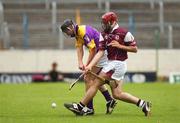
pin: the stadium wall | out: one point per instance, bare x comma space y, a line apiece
20, 61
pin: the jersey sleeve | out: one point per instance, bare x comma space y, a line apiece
79, 42
90, 42
129, 39
102, 43
79, 39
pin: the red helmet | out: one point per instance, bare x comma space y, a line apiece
108, 20
109, 17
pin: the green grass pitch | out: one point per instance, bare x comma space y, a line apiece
31, 103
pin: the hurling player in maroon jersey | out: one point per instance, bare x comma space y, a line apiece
89, 37
117, 41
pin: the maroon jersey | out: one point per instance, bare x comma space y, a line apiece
123, 37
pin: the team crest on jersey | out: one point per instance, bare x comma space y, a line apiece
86, 38
116, 37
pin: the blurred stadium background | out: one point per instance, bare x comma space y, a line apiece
30, 39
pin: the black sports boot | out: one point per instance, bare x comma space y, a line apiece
87, 111
110, 106
147, 108
73, 107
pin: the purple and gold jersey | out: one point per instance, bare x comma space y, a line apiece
88, 36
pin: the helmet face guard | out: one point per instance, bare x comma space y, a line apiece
108, 20
107, 27
69, 33
68, 28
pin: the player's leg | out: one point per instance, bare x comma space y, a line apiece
88, 82
102, 88
91, 92
118, 93
77, 108
111, 103
89, 79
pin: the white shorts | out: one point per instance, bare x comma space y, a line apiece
119, 68
103, 61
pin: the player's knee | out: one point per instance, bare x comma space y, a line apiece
96, 84
102, 88
117, 95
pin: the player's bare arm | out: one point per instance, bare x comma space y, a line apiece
116, 44
80, 53
92, 53
95, 60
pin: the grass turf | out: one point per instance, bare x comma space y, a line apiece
31, 103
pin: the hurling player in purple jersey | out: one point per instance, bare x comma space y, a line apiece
117, 41
89, 37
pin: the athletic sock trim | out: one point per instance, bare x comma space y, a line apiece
140, 103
